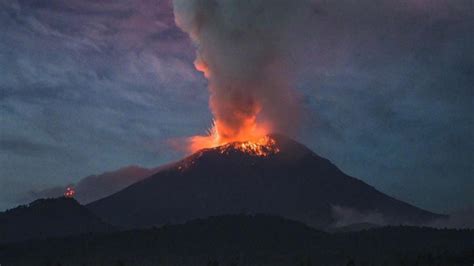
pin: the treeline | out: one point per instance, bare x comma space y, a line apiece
241, 240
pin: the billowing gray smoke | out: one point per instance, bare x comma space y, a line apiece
244, 48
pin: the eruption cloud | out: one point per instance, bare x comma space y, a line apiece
243, 49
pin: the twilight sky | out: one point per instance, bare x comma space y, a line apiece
94, 85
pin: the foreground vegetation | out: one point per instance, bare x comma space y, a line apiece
249, 240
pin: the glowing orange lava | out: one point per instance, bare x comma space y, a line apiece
262, 147
219, 135
69, 193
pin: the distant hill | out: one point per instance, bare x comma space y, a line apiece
294, 183
47, 218
249, 240
94, 187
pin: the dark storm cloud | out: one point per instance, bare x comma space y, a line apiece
79, 77
386, 85
94, 187
390, 88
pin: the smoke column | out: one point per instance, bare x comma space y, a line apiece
244, 50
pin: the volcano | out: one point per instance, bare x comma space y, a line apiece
282, 178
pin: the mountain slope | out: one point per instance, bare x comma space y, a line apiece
46, 218
294, 183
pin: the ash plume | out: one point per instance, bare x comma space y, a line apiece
245, 50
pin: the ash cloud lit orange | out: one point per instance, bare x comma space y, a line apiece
219, 135
236, 117
242, 51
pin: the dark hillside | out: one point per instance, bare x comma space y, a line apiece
249, 240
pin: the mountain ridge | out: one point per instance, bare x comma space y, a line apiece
45, 218
294, 183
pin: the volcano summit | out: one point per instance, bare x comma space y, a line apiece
279, 177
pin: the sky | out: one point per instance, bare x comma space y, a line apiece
386, 90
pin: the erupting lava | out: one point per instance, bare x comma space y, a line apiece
262, 147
